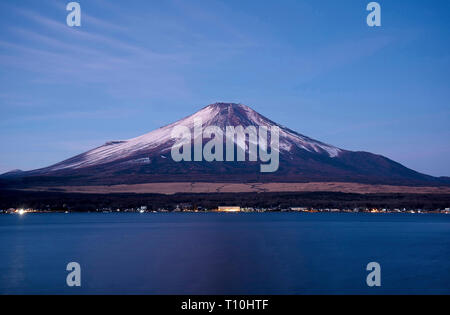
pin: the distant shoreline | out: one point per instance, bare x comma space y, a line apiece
272, 201
317, 211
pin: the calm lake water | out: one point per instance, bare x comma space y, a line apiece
270, 253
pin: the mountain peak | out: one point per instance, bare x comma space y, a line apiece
226, 114
226, 105
230, 107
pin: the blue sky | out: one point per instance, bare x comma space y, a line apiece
314, 66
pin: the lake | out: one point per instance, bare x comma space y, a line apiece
212, 253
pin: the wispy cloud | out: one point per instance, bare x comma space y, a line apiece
125, 65
71, 115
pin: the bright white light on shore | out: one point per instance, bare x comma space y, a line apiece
229, 209
21, 212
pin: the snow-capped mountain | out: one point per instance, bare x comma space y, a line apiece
147, 158
159, 142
